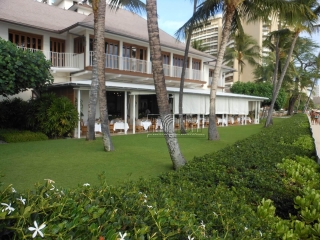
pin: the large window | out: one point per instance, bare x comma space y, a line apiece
165, 58
79, 45
25, 40
57, 50
178, 61
196, 64
133, 51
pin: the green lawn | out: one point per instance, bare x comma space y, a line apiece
70, 162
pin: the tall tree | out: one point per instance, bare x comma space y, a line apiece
98, 67
183, 72
245, 48
233, 11
315, 68
301, 21
160, 87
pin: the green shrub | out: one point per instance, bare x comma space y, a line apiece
13, 113
52, 115
13, 136
244, 191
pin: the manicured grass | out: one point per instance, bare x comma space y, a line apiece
70, 162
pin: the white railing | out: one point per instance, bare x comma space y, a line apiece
196, 74
166, 70
177, 72
62, 60
124, 63
142, 66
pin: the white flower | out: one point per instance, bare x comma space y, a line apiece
122, 236
202, 225
53, 187
145, 201
37, 229
86, 184
145, 196
8, 207
13, 190
189, 238
149, 206
47, 195
245, 228
50, 181
140, 192
260, 233
215, 214
22, 200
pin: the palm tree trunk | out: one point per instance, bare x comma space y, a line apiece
279, 83
160, 87
239, 70
101, 59
186, 52
213, 133
93, 94
309, 97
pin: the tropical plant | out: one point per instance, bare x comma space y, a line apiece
185, 60
22, 69
316, 75
233, 12
198, 44
303, 21
160, 87
244, 49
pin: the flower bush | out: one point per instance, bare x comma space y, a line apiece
246, 191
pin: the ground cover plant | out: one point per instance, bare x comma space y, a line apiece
75, 161
263, 187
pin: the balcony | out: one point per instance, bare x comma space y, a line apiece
62, 62
142, 66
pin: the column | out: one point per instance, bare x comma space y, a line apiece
125, 112
79, 112
134, 115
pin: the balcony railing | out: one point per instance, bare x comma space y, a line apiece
126, 64
142, 66
62, 60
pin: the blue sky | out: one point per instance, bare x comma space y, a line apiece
174, 13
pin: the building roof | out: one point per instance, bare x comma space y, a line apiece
38, 15
31, 13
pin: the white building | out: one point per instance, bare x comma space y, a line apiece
63, 31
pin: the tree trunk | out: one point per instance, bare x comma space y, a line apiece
160, 86
101, 59
186, 52
309, 97
279, 82
213, 133
292, 101
93, 94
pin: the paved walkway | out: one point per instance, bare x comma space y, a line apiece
315, 129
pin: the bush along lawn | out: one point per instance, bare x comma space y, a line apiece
263, 187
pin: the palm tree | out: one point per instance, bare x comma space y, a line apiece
315, 67
233, 11
303, 21
160, 86
245, 48
198, 44
98, 68
183, 72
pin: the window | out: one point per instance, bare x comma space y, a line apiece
133, 51
79, 44
25, 40
196, 64
57, 50
178, 61
165, 58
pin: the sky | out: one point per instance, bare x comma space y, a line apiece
174, 13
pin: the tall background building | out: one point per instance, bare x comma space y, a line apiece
211, 32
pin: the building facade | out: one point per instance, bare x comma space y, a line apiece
64, 32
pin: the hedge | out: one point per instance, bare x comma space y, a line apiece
244, 191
